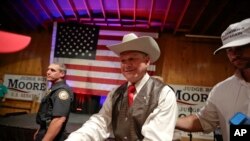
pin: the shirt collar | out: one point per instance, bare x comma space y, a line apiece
140, 83
241, 79
57, 85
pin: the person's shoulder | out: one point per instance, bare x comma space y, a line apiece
66, 87
225, 86
63, 94
227, 81
167, 89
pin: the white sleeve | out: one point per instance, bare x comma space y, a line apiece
208, 114
160, 124
98, 127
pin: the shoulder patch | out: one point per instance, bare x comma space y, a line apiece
63, 95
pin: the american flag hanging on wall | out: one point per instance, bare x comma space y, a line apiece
76, 41
91, 67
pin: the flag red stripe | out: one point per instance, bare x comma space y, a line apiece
90, 91
102, 47
107, 58
94, 80
98, 69
110, 37
93, 68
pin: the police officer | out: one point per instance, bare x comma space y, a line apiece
54, 110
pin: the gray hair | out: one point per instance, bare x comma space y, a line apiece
62, 67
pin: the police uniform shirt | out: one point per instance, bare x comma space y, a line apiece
61, 100
56, 103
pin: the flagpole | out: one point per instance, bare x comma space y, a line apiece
53, 42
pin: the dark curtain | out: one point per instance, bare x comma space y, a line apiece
86, 104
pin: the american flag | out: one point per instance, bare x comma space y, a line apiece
91, 67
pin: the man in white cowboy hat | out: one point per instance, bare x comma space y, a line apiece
231, 95
149, 114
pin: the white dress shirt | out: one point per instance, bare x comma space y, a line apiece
159, 126
226, 98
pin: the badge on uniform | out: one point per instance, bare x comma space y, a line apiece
48, 92
63, 95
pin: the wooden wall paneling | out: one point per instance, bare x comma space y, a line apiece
11, 106
191, 61
33, 60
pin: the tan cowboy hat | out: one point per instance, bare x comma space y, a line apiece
145, 44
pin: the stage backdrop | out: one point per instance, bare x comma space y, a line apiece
25, 87
190, 99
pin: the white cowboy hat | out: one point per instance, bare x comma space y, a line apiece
131, 42
236, 35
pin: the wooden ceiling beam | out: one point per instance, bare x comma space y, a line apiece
9, 22
29, 6
119, 11
74, 9
150, 12
134, 16
103, 11
22, 14
182, 15
45, 9
86, 4
59, 9
166, 15
215, 14
197, 18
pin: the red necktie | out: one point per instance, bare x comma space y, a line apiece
131, 91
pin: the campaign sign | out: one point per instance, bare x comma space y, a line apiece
190, 100
25, 87
239, 132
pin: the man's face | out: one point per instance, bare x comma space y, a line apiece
134, 65
239, 56
54, 74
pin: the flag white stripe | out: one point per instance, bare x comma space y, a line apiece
95, 74
108, 42
94, 86
106, 64
105, 53
89, 62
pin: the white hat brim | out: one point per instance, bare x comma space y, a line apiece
144, 44
236, 43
